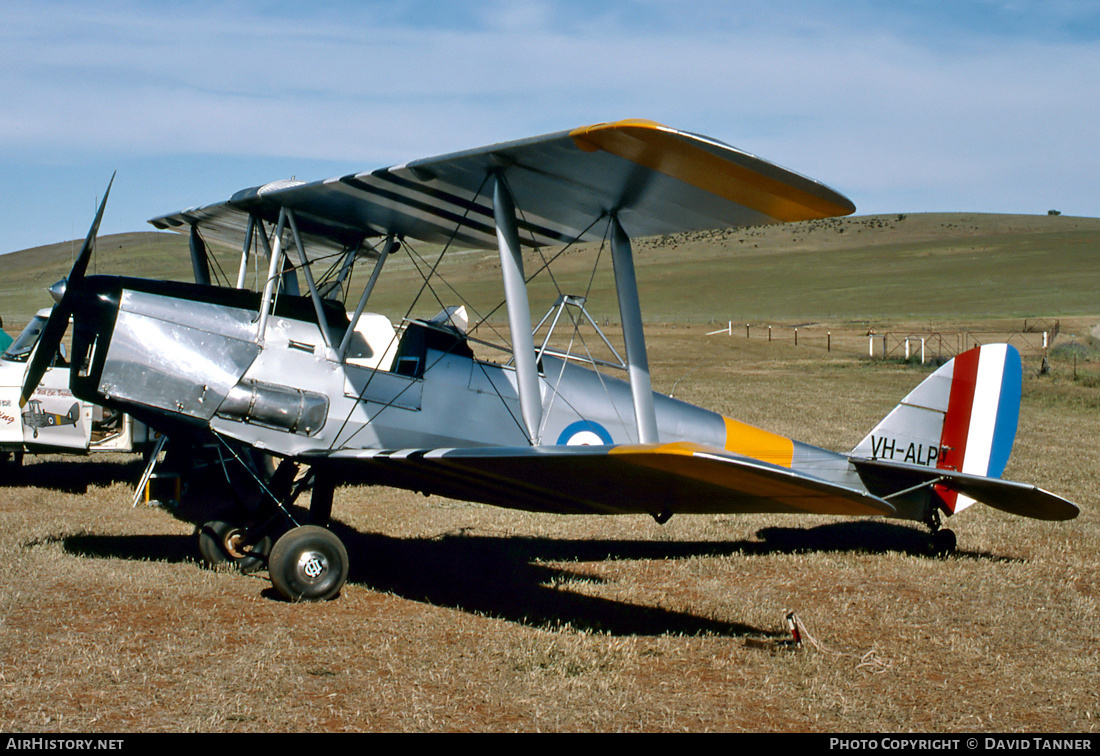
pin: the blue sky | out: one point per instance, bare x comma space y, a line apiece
905, 106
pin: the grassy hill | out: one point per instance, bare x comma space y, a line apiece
919, 267
29, 273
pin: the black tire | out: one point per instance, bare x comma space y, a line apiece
943, 543
223, 543
308, 563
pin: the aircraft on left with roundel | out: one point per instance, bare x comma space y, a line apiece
330, 391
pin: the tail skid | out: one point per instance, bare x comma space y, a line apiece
954, 433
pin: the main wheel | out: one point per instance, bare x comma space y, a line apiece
223, 543
308, 563
943, 543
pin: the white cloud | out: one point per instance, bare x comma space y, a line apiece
958, 104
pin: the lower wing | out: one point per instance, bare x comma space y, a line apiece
660, 480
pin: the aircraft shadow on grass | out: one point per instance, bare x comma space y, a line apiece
512, 578
870, 536
68, 476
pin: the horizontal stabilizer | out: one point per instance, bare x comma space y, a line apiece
1019, 499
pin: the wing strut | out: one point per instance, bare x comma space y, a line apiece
243, 270
630, 312
274, 254
389, 246
519, 310
200, 264
314, 295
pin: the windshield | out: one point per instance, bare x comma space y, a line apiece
20, 349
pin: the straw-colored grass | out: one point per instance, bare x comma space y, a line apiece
464, 617
459, 617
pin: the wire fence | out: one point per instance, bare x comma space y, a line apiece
1034, 339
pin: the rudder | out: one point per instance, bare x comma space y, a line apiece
963, 417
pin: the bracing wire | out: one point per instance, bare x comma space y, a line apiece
429, 270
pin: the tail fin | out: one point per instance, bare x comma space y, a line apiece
963, 418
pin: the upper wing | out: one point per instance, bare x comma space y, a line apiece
659, 480
656, 179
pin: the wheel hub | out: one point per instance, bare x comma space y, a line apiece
312, 566
234, 544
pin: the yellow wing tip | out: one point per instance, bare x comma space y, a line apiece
716, 168
580, 135
624, 123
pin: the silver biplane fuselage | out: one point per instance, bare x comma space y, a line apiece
288, 393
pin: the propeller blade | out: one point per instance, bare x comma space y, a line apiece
50, 339
76, 275
44, 353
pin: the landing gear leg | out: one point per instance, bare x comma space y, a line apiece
320, 502
309, 562
942, 542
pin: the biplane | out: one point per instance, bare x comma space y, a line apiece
328, 389
35, 416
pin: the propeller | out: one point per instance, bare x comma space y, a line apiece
59, 319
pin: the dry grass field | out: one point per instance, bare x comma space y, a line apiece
460, 617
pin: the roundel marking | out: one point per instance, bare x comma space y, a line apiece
585, 433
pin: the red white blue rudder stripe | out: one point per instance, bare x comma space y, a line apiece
982, 415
